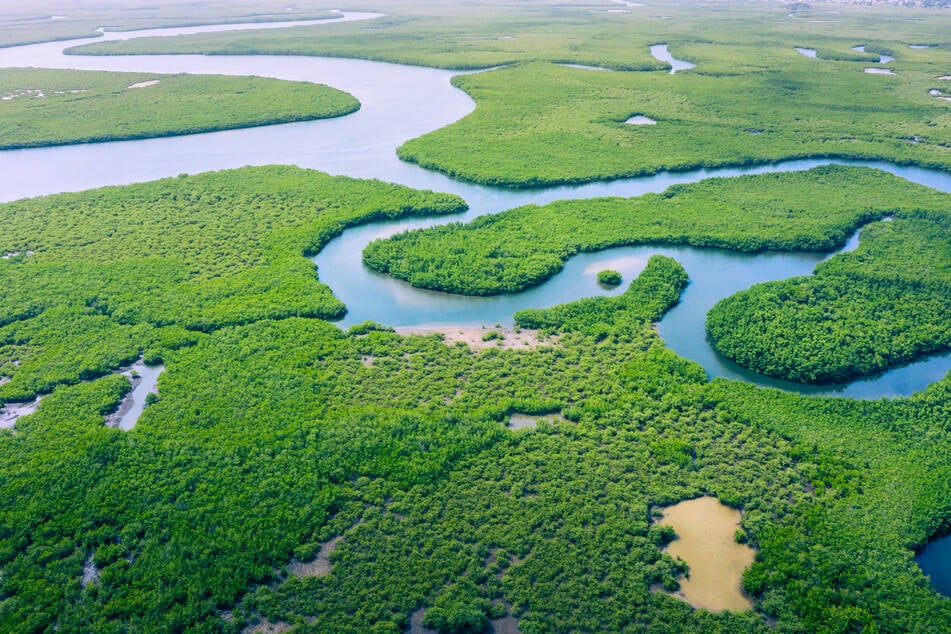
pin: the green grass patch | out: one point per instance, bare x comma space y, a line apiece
55, 107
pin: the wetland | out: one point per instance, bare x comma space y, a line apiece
280, 437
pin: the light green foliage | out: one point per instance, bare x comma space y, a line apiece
814, 210
103, 276
657, 288
442, 35
541, 123
886, 303
538, 122
53, 107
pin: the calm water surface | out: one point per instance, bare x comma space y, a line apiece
935, 561
399, 103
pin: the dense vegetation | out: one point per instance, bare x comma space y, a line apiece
51, 107
27, 21
886, 303
275, 432
610, 277
270, 438
539, 123
91, 280
815, 210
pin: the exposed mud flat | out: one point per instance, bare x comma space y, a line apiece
475, 338
267, 627
705, 530
319, 566
143, 379
143, 84
11, 412
13, 254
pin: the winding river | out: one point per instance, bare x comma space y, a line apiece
399, 103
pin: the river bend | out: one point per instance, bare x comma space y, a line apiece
399, 103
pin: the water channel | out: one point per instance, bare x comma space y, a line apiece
399, 103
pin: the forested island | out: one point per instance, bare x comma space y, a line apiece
290, 474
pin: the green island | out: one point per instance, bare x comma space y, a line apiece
31, 21
887, 303
290, 475
540, 123
610, 277
42, 107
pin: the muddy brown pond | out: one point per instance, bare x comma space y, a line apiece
705, 541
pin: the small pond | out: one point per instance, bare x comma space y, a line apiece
705, 541
935, 562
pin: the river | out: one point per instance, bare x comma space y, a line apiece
399, 103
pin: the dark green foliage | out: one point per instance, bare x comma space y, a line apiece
886, 303
609, 277
56, 107
105, 276
814, 210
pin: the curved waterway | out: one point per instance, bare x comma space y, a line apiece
399, 103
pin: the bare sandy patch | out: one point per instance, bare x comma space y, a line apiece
266, 627
319, 566
705, 530
879, 71
144, 84
528, 421
90, 572
478, 339
640, 120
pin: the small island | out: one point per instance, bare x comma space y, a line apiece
607, 277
